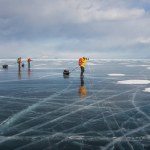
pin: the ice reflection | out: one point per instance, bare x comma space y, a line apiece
19, 73
66, 76
29, 72
82, 89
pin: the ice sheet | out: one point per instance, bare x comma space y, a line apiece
42, 109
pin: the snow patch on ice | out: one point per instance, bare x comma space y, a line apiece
134, 82
146, 90
131, 65
144, 65
91, 64
40, 65
116, 75
12, 65
40, 68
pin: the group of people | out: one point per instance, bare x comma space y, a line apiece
82, 62
20, 62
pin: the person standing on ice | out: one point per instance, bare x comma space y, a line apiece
19, 62
82, 62
29, 60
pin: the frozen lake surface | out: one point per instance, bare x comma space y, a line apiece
109, 109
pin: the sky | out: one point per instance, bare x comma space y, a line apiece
75, 28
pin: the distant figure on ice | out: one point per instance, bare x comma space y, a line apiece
29, 60
19, 62
82, 62
82, 89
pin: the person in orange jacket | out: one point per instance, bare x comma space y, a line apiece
82, 62
29, 60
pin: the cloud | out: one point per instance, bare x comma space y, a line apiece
106, 28
143, 40
114, 14
67, 11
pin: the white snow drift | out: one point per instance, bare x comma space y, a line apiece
146, 90
134, 82
116, 75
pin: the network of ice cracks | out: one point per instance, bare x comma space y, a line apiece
107, 109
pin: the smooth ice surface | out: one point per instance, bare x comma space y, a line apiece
43, 110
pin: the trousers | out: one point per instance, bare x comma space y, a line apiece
82, 71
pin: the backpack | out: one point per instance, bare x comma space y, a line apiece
80, 61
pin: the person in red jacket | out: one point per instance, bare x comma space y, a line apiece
82, 62
29, 60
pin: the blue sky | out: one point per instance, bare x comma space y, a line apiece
74, 28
